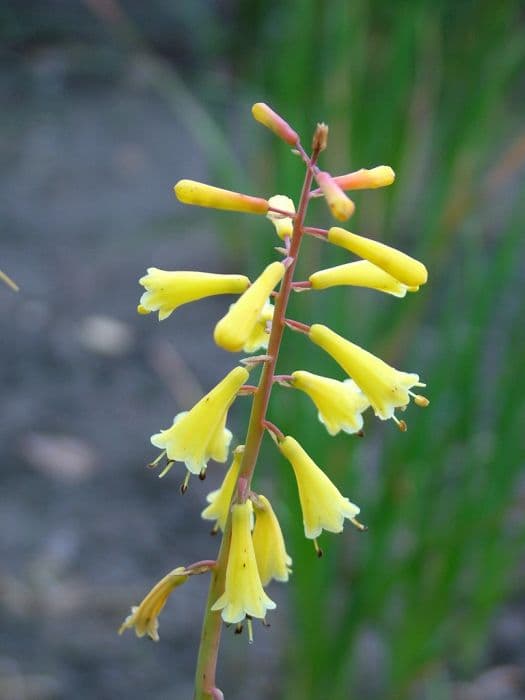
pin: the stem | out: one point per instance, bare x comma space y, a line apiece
211, 630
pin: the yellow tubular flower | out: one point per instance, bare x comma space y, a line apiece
339, 204
200, 434
401, 266
144, 617
323, 506
233, 331
271, 120
283, 224
243, 592
220, 499
385, 387
166, 290
380, 176
360, 274
270, 552
201, 195
259, 336
340, 404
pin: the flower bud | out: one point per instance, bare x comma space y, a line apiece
380, 176
361, 273
283, 224
271, 120
339, 204
201, 195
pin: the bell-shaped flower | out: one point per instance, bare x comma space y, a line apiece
340, 404
339, 204
233, 331
273, 561
265, 115
167, 290
283, 224
201, 195
260, 334
220, 500
200, 434
361, 273
401, 266
323, 506
144, 617
243, 592
385, 387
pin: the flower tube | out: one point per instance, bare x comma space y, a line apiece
360, 273
273, 561
201, 195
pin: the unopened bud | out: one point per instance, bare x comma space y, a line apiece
320, 139
271, 120
201, 195
364, 179
340, 205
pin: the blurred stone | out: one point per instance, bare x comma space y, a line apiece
105, 335
60, 456
498, 683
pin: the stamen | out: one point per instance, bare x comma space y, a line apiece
250, 629
184, 485
167, 468
419, 400
153, 464
400, 424
214, 530
318, 549
359, 525
202, 474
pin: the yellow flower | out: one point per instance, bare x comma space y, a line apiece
360, 274
339, 204
385, 387
201, 195
220, 499
166, 290
268, 542
260, 336
144, 617
340, 404
401, 266
243, 592
200, 434
233, 331
283, 224
364, 179
271, 120
323, 506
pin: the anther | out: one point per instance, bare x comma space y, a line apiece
400, 424
238, 628
360, 433
318, 549
153, 464
167, 468
214, 530
184, 485
419, 400
202, 474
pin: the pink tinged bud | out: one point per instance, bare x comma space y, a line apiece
201, 195
271, 120
339, 204
407, 270
380, 176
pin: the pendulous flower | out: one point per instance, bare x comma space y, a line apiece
233, 331
283, 224
243, 592
323, 506
360, 273
340, 404
401, 266
220, 500
201, 195
167, 290
200, 434
385, 387
273, 561
144, 617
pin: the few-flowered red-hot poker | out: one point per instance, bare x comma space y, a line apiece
322, 504
201, 195
200, 434
385, 387
363, 179
283, 224
233, 331
167, 290
401, 266
340, 404
273, 561
339, 204
265, 115
243, 592
220, 500
360, 273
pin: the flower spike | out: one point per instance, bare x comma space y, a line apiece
200, 434
340, 404
359, 274
385, 387
401, 266
220, 499
233, 331
166, 290
323, 506
243, 592
201, 195
271, 120
273, 561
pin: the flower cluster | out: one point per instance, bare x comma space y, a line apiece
253, 551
